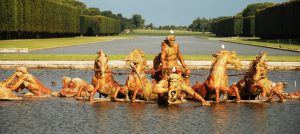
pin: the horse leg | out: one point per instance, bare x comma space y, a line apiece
225, 95
134, 95
217, 95
93, 93
116, 93
238, 97
125, 89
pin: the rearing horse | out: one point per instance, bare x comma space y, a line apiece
257, 70
256, 82
137, 81
217, 80
103, 80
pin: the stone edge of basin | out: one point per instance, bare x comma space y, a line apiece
122, 64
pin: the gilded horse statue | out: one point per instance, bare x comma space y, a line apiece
137, 82
22, 79
103, 80
256, 82
217, 80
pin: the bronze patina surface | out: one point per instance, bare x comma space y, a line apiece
217, 80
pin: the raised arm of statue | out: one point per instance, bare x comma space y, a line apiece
18, 84
10, 79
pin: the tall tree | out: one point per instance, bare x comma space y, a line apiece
200, 24
150, 26
138, 21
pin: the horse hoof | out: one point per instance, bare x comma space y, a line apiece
283, 100
126, 99
79, 98
205, 103
113, 99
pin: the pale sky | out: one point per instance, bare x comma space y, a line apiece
173, 12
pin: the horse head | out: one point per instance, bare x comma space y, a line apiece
102, 61
136, 59
234, 60
231, 58
257, 65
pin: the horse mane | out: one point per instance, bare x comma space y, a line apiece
136, 56
259, 59
157, 61
217, 55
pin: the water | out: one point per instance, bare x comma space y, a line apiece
151, 45
66, 115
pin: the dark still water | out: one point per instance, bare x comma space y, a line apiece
66, 115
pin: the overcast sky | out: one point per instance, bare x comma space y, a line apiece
173, 12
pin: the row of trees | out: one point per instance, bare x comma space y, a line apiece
279, 21
136, 22
51, 18
229, 26
242, 24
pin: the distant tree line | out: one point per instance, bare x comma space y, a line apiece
200, 25
266, 20
242, 24
59, 18
136, 22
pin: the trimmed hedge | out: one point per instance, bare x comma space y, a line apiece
231, 26
99, 25
46, 19
249, 26
37, 19
279, 21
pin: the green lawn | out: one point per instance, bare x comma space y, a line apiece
87, 57
34, 44
282, 43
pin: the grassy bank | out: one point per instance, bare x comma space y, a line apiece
88, 57
35, 44
278, 43
163, 33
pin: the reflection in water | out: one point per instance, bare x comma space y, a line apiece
220, 117
66, 115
